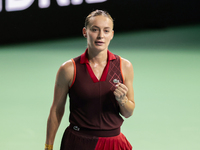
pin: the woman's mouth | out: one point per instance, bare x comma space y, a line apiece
99, 43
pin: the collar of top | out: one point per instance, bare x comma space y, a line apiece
84, 57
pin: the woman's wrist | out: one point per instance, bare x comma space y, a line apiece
124, 101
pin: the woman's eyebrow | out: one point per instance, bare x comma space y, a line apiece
99, 27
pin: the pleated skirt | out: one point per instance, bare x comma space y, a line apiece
73, 140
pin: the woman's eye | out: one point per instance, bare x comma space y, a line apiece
94, 30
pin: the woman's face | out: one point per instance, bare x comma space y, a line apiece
99, 33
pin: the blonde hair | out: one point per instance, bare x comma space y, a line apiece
98, 13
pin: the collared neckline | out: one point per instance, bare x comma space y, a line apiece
84, 60
84, 57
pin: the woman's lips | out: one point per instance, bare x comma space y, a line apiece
99, 42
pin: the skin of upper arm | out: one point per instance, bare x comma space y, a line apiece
63, 81
127, 70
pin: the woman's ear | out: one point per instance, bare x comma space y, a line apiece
84, 32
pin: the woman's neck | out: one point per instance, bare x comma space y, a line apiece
97, 57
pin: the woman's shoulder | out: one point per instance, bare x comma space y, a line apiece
126, 63
66, 71
127, 69
67, 66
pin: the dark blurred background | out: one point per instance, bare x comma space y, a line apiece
32, 23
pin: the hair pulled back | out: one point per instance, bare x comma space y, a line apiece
98, 13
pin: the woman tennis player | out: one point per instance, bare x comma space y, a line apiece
100, 88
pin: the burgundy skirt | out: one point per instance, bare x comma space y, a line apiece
73, 140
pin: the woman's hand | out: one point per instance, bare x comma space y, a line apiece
120, 93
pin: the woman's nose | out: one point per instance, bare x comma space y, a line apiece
100, 35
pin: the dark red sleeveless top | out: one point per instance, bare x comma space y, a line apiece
93, 106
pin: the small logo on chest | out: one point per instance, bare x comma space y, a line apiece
115, 81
